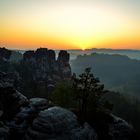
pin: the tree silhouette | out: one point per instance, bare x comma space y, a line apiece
87, 85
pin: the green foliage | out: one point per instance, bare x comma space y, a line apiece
82, 93
64, 95
89, 91
117, 72
88, 86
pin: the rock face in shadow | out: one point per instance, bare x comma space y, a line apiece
41, 69
58, 124
24, 118
4, 59
5, 54
119, 129
45, 64
34, 119
4, 132
63, 63
10, 99
9, 79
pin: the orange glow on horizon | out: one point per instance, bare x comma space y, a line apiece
83, 49
68, 26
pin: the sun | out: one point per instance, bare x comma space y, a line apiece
79, 25
83, 49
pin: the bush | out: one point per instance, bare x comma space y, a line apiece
64, 95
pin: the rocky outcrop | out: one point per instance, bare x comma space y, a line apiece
4, 132
63, 62
34, 119
40, 103
59, 124
5, 54
42, 70
119, 129
9, 79
45, 64
110, 127
4, 59
38, 70
24, 118
10, 96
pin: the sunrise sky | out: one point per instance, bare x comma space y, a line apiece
70, 24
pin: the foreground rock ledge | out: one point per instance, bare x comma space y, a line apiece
57, 123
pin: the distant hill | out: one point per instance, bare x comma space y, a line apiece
134, 54
118, 72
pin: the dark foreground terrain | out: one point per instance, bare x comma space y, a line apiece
33, 116
39, 119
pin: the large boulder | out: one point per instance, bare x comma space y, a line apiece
57, 123
39, 103
111, 127
24, 118
119, 129
11, 101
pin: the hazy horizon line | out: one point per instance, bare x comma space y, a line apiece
113, 49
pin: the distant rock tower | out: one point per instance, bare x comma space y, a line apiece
44, 69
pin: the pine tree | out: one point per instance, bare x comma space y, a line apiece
86, 85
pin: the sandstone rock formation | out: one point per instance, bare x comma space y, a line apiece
5, 54
119, 129
59, 124
38, 70
34, 120
41, 69
63, 62
24, 118
9, 79
46, 66
4, 59
10, 96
